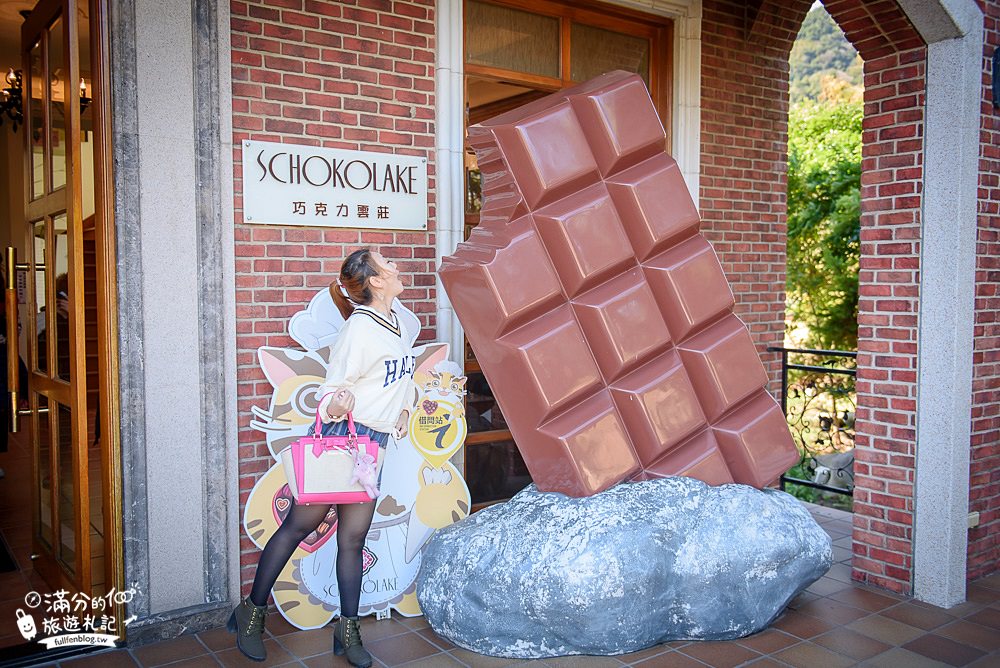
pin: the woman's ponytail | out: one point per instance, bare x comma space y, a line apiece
355, 273
344, 305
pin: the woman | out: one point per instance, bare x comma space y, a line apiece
370, 376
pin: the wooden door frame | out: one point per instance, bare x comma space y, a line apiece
108, 406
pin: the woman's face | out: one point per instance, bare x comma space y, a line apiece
389, 273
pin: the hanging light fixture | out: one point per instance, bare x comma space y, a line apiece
10, 99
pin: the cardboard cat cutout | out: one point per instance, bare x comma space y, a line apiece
421, 490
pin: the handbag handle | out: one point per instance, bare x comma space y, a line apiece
318, 431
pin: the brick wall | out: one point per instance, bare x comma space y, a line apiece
984, 493
744, 151
744, 148
348, 74
892, 174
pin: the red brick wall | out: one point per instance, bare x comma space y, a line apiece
984, 493
744, 148
892, 175
349, 74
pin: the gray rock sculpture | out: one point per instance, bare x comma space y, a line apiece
640, 564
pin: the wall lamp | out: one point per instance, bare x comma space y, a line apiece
10, 99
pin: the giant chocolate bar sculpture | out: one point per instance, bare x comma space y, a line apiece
600, 316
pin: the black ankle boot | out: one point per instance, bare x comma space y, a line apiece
347, 640
247, 622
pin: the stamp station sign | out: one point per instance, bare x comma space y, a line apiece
292, 184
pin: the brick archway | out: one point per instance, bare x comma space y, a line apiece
744, 147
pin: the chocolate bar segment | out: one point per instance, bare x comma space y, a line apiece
600, 316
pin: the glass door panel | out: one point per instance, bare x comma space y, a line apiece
594, 51
39, 326
68, 484
57, 105
58, 318
36, 121
511, 39
44, 465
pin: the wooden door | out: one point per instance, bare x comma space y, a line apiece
67, 313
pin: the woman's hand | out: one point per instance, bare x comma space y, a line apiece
341, 403
402, 424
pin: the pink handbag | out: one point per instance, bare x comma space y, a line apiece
333, 469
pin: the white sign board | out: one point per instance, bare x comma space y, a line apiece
292, 184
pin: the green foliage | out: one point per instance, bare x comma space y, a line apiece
824, 183
824, 209
820, 51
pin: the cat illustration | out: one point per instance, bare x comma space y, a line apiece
306, 591
444, 380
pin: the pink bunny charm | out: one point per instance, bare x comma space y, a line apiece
364, 473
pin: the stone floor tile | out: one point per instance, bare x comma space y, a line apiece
307, 643
802, 626
987, 617
926, 618
276, 656
887, 630
720, 654
811, 655
833, 611
110, 659
413, 623
766, 662
988, 661
991, 581
169, 651
217, 639
840, 572
851, 643
433, 638
377, 630
276, 625
434, 661
972, 634
842, 554
481, 661
635, 657
203, 661
584, 661
328, 659
864, 599
980, 594
801, 599
671, 659
826, 586
768, 641
398, 649
897, 657
944, 649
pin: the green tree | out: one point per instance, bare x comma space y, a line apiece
824, 182
821, 50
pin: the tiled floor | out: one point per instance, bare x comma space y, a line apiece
834, 623
15, 525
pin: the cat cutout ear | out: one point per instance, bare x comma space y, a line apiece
279, 365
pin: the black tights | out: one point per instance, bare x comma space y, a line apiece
353, 522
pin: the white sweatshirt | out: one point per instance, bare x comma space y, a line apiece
373, 358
